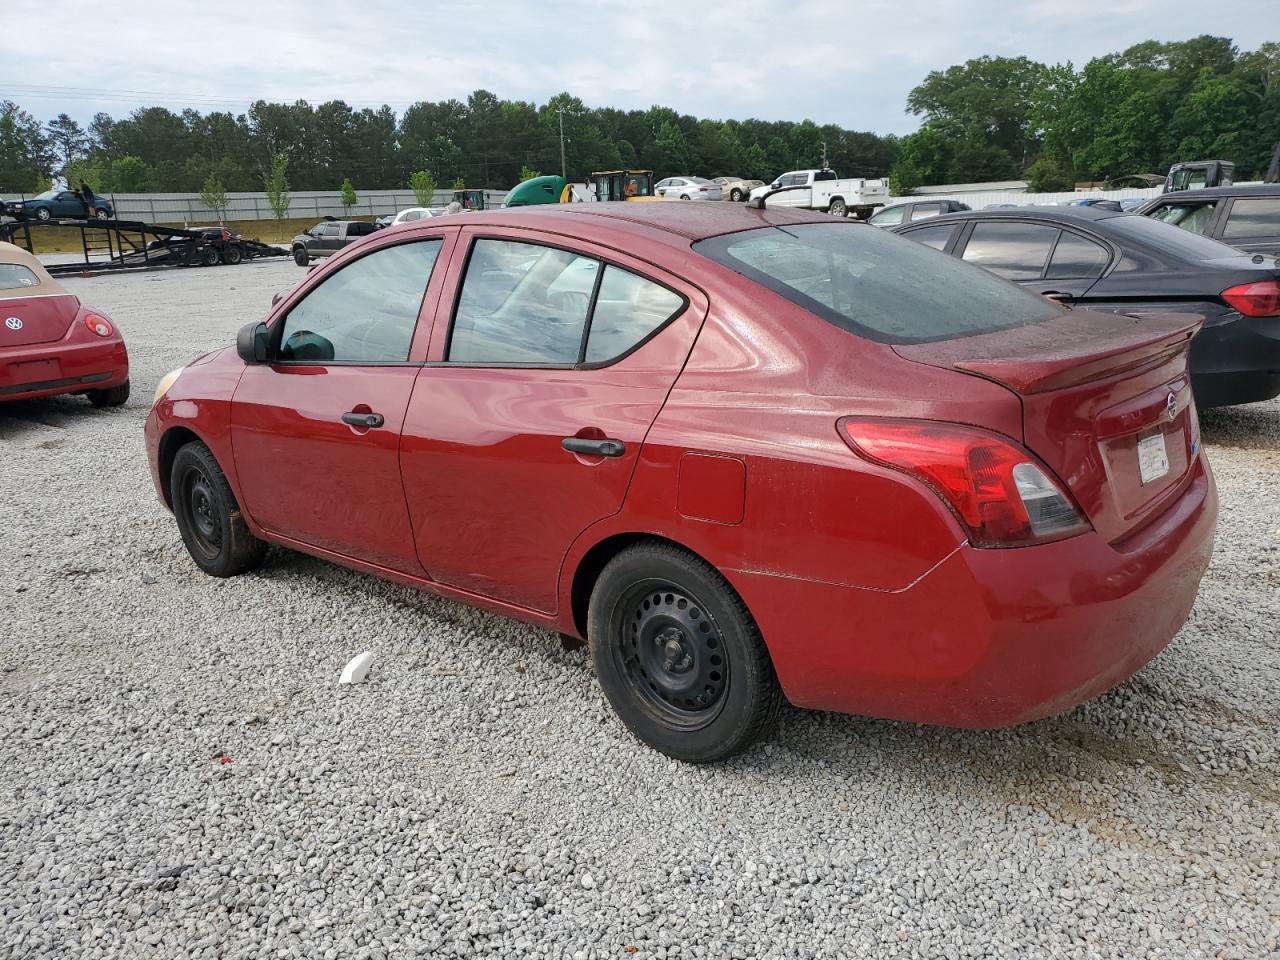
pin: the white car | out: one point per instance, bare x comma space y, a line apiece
416, 213
823, 190
686, 188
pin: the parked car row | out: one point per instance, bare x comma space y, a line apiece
749, 454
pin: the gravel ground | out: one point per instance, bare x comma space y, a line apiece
183, 776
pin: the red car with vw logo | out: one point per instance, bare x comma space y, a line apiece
51, 343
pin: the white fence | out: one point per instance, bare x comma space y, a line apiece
304, 204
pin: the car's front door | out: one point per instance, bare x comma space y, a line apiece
526, 426
316, 432
68, 204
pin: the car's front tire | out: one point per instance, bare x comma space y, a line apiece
208, 516
735, 195
300, 256
678, 655
232, 254
110, 397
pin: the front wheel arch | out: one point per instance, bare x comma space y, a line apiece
174, 439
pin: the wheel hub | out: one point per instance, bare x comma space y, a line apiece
673, 653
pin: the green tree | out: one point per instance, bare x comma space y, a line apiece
214, 196
276, 185
528, 173
1047, 176
25, 157
459, 184
129, 174
423, 185
67, 140
348, 196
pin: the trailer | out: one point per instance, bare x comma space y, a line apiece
110, 245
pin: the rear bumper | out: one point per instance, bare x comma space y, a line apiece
991, 638
1236, 361
50, 369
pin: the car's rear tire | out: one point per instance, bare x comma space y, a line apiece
735, 195
300, 256
42, 213
838, 208
678, 655
110, 397
232, 254
209, 257
684, 196
208, 516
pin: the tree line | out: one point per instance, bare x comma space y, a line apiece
990, 118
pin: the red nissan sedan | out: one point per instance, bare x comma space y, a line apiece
51, 343
748, 455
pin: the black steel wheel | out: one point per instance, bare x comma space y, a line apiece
678, 655
232, 254
209, 257
208, 516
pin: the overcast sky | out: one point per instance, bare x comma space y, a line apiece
850, 64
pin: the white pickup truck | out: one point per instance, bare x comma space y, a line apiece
823, 190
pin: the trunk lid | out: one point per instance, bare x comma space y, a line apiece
1106, 403
38, 319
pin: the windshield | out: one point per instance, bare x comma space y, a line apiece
1170, 239
875, 284
48, 194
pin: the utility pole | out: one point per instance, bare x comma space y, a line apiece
560, 110
824, 154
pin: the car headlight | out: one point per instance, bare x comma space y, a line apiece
167, 381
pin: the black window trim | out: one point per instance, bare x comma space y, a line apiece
591, 309
276, 329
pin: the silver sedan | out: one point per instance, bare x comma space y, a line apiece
686, 188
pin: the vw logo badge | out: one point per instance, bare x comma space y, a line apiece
13, 323
1172, 405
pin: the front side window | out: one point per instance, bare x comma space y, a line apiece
364, 313
888, 217
1193, 217
1015, 251
1253, 217
526, 304
875, 284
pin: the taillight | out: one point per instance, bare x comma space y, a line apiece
702, 189
1001, 494
98, 324
1260, 299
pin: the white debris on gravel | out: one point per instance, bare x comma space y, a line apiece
357, 669
157, 800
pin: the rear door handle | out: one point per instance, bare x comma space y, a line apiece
1058, 295
369, 421
594, 448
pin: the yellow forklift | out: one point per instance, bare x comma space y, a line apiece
624, 185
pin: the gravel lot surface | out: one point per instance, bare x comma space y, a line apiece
182, 775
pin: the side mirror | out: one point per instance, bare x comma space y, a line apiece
251, 342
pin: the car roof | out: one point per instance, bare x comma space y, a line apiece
691, 221
1250, 190
1062, 214
45, 286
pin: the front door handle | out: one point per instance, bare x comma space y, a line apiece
369, 421
1059, 295
594, 448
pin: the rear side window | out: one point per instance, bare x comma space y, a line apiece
888, 216
875, 284
936, 236
1016, 251
1253, 217
14, 276
1192, 217
364, 313
527, 304
923, 211
1075, 258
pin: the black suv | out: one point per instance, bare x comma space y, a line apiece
1245, 217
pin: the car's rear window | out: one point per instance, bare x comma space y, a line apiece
875, 284
14, 276
1168, 238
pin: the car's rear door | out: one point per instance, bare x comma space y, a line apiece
525, 426
316, 432
1252, 224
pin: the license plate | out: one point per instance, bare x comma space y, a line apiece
1153, 459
